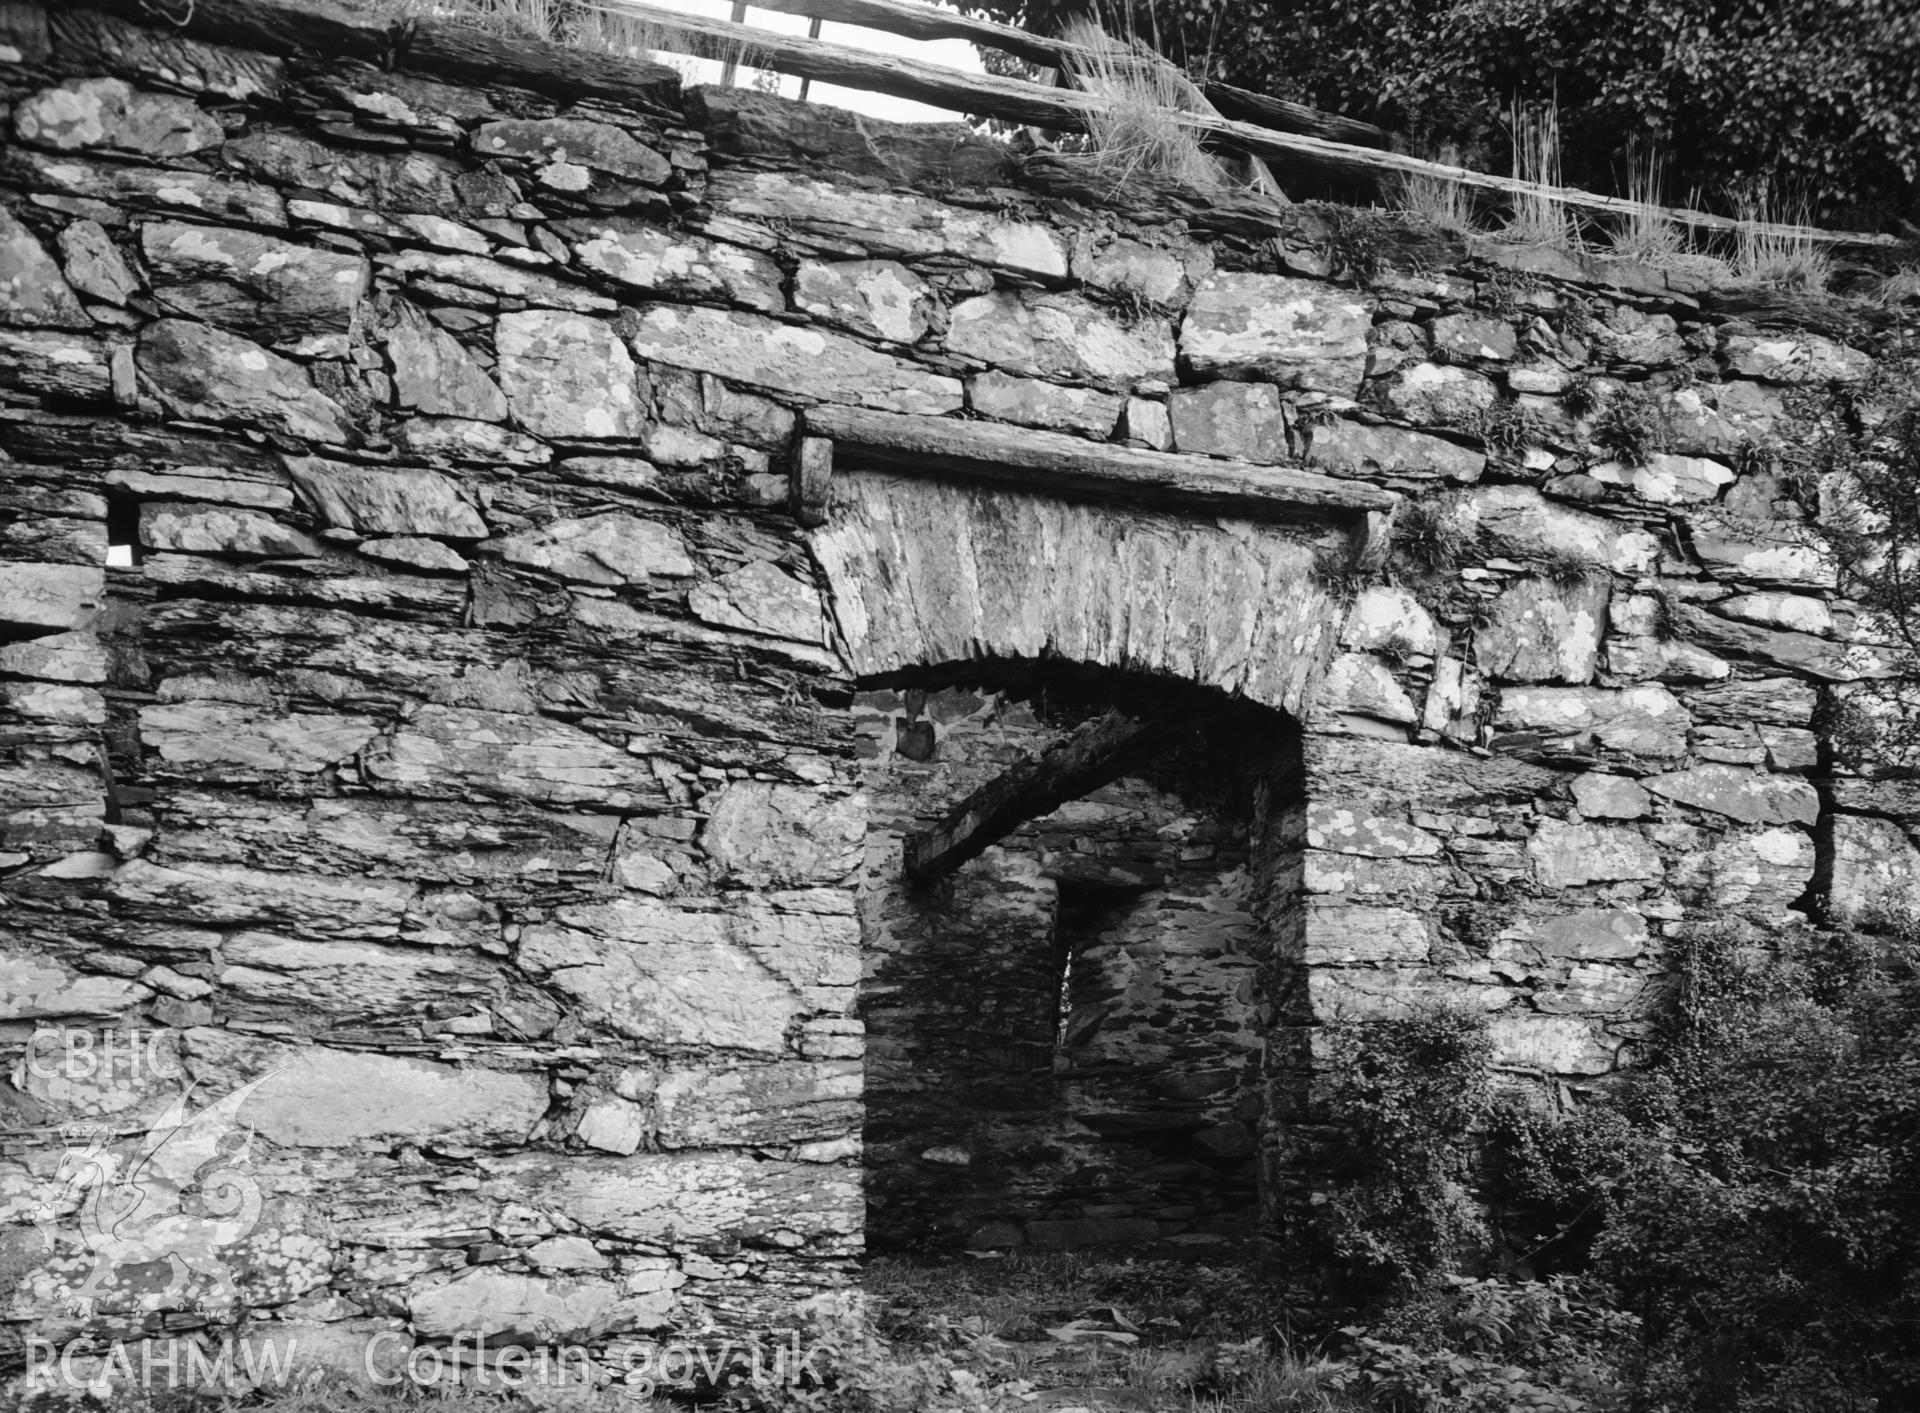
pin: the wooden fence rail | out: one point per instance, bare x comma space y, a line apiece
1018, 101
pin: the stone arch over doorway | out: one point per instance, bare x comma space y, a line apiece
923, 572
1067, 1037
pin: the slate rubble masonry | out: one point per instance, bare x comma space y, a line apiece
479, 749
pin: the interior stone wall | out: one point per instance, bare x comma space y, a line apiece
1061, 1046
416, 694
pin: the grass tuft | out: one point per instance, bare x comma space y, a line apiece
1631, 427
1431, 536
1444, 205
1650, 234
1143, 124
1538, 218
1774, 245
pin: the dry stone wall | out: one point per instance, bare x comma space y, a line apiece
417, 696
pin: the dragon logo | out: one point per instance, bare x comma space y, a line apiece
180, 1196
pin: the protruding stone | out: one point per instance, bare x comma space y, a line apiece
1358, 684
227, 734
1668, 480
762, 598
1609, 797
441, 751
1796, 358
1390, 619
1340, 933
881, 299
890, 223
1544, 630
762, 352
1473, 337
1552, 1044
1433, 395
292, 296
646, 257
1745, 795
59, 657
1347, 830
1631, 336
49, 361
1719, 419
33, 292
600, 147
433, 373
1592, 989
1875, 865
1060, 336
613, 1126
1592, 934
55, 597
1274, 328
1520, 522
566, 375
765, 835
1246, 421
614, 548
1797, 613
1569, 855
95, 266
1153, 276
36, 987
1730, 553
210, 375
1033, 403
226, 529
412, 552
1639, 721
1148, 423
386, 500
1361, 449
109, 113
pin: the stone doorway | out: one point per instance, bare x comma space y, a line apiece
1065, 1034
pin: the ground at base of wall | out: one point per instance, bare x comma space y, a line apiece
1046, 1331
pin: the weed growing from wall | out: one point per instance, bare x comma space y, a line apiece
1630, 427
1406, 1097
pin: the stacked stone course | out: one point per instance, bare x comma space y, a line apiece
413, 682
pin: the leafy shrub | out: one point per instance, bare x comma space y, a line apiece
1406, 1096
1814, 97
1491, 1346
1754, 1197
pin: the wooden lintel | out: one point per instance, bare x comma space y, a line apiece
1053, 462
1082, 761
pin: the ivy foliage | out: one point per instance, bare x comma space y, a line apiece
1754, 1198
1407, 1097
1813, 99
1852, 455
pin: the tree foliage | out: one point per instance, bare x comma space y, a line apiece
1813, 99
1754, 1199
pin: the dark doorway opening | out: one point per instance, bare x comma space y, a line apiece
1063, 1032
